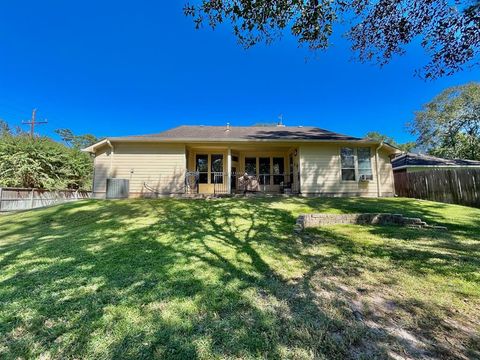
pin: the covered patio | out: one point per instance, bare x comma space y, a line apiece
242, 168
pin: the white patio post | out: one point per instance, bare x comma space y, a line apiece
229, 170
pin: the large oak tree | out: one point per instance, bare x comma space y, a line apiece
449, 125
448, 30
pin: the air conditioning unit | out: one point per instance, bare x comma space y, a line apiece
364, 178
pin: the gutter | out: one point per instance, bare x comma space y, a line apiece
437, 166
376, 168
93, 147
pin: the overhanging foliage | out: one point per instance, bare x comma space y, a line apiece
448, 30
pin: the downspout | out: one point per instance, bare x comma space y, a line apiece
93, 177
111, 158
376, 168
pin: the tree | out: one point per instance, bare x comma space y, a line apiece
40, 162
449, 125
76, 141
4, 128
407, 147
380, 137
449, 31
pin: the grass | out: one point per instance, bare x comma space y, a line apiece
228, 278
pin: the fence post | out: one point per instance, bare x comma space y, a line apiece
31, 198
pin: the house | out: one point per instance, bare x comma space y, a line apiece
229, 159
411, 162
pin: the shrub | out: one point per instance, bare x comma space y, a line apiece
41, 162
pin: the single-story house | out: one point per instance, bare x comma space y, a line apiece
411, 162
230, 159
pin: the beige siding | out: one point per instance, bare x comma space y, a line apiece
320, 173
102, 163
160, 166
387, 187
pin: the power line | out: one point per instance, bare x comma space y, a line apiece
33, 121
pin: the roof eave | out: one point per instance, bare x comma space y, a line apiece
92, 148
434, 166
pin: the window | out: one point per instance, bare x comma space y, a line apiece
364, 163
217, 168
202, 168
251, 166
278, 170
264, 170
348, 164
356, 161
271, 170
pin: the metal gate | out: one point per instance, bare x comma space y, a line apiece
117, 188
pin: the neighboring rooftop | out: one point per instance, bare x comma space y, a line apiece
245, 133
411, 159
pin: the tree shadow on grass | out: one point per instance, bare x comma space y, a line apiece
435, 330
166, 278
177, 279
462, 219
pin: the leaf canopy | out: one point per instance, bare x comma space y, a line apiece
449, 31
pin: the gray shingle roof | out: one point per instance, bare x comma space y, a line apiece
411, 159
241, 133
247, 133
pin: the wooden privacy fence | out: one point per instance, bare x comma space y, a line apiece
13, 199
456, 186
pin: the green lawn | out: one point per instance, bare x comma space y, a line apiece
229, 279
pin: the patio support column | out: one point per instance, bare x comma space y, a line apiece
229, 170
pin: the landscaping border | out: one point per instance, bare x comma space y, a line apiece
317, 220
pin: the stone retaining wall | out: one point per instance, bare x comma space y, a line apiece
315, 220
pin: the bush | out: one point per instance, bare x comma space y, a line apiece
40, 162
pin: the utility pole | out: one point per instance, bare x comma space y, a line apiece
33, 121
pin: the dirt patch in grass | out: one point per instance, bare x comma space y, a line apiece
390, 298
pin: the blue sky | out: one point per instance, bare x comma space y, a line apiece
117, 68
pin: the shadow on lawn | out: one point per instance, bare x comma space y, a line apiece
432, 212
432, 322
188, 283
183, 279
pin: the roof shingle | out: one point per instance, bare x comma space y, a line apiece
248, 133
411, 159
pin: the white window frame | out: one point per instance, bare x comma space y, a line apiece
257, 166
355, 161
209, 164
357, 164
